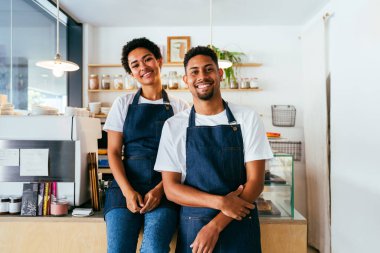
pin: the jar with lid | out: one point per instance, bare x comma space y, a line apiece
118, 82
182, 83
254, 83
93, 82
59, 206
234, 84
244, 83
14, 204
164, 81
106, 82
173, 80
129, 82
4, 204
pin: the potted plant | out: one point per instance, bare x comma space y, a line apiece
234, 57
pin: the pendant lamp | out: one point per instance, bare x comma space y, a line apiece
58, 66
224, 64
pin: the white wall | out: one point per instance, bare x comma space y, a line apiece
278, 48
355, 120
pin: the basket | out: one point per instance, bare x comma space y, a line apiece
283, 115
287, 147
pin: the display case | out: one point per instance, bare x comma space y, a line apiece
277, 198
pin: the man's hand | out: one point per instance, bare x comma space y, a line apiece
235, 207
152, 199
134, 201
206, 239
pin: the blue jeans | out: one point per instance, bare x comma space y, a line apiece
123, 229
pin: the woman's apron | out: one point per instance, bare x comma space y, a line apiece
141, 136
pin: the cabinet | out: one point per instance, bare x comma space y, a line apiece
107, 96
277, 198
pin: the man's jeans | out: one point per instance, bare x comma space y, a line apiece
123, 229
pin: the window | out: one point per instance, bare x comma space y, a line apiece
27, 35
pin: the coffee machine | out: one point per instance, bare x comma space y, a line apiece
66, 139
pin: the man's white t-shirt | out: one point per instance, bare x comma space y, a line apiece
171, 154
118, 113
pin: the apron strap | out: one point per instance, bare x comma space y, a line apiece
137, 97
230, 116
165, 97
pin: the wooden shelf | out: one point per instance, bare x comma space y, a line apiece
104, 170
179, 90
96, 65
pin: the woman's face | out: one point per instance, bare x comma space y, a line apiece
144, 66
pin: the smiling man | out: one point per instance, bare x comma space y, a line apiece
212, 159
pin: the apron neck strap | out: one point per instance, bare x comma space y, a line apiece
138, 94
230, 116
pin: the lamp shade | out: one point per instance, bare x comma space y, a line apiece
224, 64
58, 66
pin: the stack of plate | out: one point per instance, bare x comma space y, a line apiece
7, 109
44, 110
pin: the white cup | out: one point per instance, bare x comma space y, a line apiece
94, 107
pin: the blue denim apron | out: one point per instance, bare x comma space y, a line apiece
141, 136
215, 164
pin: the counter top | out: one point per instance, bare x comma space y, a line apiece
98, 218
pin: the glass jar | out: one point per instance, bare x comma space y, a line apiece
173, 80
106, 82
4, 204
234, 84
118, 82
93, 82
14, 204
164, 81
59, 206
129, 82
244, 83
254, 83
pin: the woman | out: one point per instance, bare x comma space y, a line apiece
136, 197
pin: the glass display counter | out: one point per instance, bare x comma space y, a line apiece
277, 198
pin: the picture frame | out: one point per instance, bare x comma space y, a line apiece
177, 48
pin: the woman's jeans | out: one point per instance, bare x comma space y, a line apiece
123, 229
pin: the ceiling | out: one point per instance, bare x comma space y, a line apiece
132, 13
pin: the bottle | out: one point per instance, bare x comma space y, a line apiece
106, 82
93, 82
118, 82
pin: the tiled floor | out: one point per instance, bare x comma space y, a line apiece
311, 250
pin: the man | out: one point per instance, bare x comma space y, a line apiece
212, 160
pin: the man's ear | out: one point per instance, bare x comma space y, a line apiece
184, 78
221, 72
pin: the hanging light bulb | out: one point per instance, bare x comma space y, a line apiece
223, 64
57, 65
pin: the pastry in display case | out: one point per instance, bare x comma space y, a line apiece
277, 198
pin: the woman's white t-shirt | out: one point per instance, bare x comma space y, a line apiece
118, 113
171, 154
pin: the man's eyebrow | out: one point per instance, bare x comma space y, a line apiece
205, 66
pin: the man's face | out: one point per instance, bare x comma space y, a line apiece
203, 77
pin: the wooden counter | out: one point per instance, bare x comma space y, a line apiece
73, 234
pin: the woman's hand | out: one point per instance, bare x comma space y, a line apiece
134, 201
153, 198
206, 239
